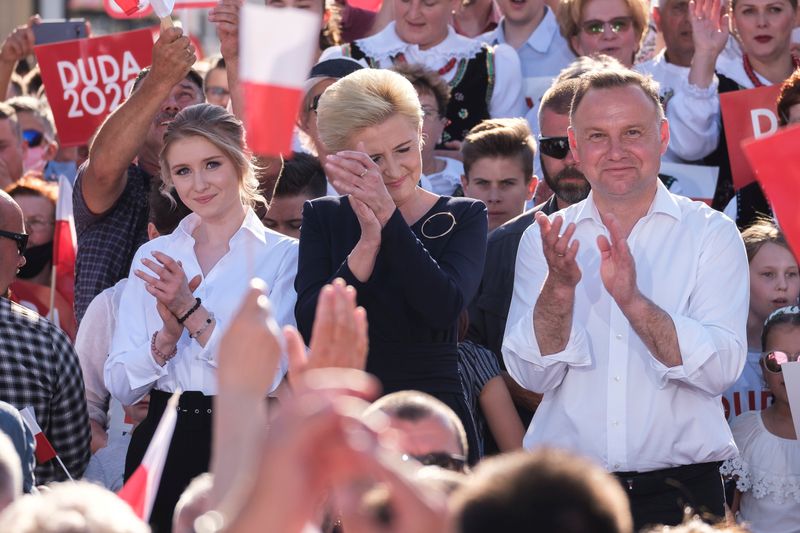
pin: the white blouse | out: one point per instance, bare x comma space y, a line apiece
255, 251
507, 96
446, 181
768, 474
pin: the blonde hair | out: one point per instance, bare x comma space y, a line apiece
760, 233
363, 99
223, 130
570, 13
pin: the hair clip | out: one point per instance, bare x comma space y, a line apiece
788, 310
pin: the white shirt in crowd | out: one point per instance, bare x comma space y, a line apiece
255, 251
445, 182
606, 396
507, 97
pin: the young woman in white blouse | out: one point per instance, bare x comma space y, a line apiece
184, 287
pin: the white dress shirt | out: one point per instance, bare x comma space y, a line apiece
255, 251
605, 395
507, 97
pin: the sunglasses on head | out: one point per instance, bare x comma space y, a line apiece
774, 359
20, 238
555, 147
445, 460
616, 25
32, 137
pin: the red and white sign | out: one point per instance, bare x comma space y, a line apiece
86, 79
44, 450
747, 115
276, 50
127, 9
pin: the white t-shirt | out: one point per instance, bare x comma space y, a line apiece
446, 181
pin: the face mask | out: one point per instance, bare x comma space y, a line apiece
34, 159
36, 258
54, 169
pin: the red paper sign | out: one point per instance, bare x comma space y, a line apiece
747, 115
114, 10
86, 79
774, 160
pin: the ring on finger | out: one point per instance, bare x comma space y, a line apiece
560, 255
363, 173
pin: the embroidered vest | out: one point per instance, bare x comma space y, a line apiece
470, 89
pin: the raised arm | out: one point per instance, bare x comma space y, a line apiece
225, 17
124, 133
18, 45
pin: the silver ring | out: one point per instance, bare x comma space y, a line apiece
560, 255
363, 173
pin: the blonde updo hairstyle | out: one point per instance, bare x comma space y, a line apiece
219, 127
361, 100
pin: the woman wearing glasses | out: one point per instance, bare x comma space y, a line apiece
611, 27
37, 199
415, 258
767, 471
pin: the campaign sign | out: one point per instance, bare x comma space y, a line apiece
86, 79
746, 115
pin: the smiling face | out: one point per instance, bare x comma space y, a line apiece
423, 22
204, 178
764, 27
618, 138
183, 94
607, 15
774, 280
395, 147
501, 184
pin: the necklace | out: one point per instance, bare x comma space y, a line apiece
748, 69
401, 58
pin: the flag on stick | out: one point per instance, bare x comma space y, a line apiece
44, 450
141, 488
276, 50
163, 10
774, 162
129, 6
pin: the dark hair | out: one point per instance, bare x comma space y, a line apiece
33, 81
193, 76
500, 137
556, 491
788, 97
163, 214
426, 82
302, 174
558, 98
612, 78
790, 317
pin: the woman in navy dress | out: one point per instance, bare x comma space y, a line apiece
414, 257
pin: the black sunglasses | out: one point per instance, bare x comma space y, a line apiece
20, 238
773, 360
445, 460
555, 147
32, 137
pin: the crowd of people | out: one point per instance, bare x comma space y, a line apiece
469, 300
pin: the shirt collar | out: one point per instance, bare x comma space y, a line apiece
251, 224
387, 43
540, 39
663, 202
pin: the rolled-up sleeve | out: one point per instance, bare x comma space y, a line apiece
521, 352
694, 120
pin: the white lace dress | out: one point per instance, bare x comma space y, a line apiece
768, 475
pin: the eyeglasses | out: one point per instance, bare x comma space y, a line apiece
20, 238
314, 103
217, 91
32, 137
616, 25
448, 461
555, 147
773, 360
37, 223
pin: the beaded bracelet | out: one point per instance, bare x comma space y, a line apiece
203, 328
158, 353
194, 308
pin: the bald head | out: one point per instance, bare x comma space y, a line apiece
11, 220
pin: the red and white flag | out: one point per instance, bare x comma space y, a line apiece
141, 488
44, 450
65, 242
276, 50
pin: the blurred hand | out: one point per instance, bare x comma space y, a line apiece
169, 286
617, 267
19, 43
225, 17
710, 26
559, 252
173, 56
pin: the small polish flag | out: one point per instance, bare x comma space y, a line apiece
44, 450
129, 6
64, 242
276, 50
141, 488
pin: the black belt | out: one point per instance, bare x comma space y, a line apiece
189, 403
659, 480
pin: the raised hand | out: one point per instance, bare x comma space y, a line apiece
169, 285
173, 56
617, 267
19, 43
558, 251
370, 225
710, 27
225, 16
172, 331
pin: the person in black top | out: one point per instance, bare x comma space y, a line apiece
415, 258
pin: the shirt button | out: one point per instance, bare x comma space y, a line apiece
619, 336
616, 466
617, 378
615, 423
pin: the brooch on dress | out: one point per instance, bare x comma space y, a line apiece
451, 224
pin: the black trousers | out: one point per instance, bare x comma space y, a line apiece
189, 453
660, 496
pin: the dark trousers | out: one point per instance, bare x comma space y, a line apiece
659, 497
189, 452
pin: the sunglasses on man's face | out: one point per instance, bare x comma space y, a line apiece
445, 460
774, 359
20, 238
555, 147
616, 25
32, 137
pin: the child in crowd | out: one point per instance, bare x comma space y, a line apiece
301, 179
498, 167
774, 283
767, 470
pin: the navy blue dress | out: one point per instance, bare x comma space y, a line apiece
424, 276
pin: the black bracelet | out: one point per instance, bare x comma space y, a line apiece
194, 308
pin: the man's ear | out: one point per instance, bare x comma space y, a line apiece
532, 187
152, 232
657, 18
573, 143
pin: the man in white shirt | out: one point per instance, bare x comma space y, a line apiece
629, 312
